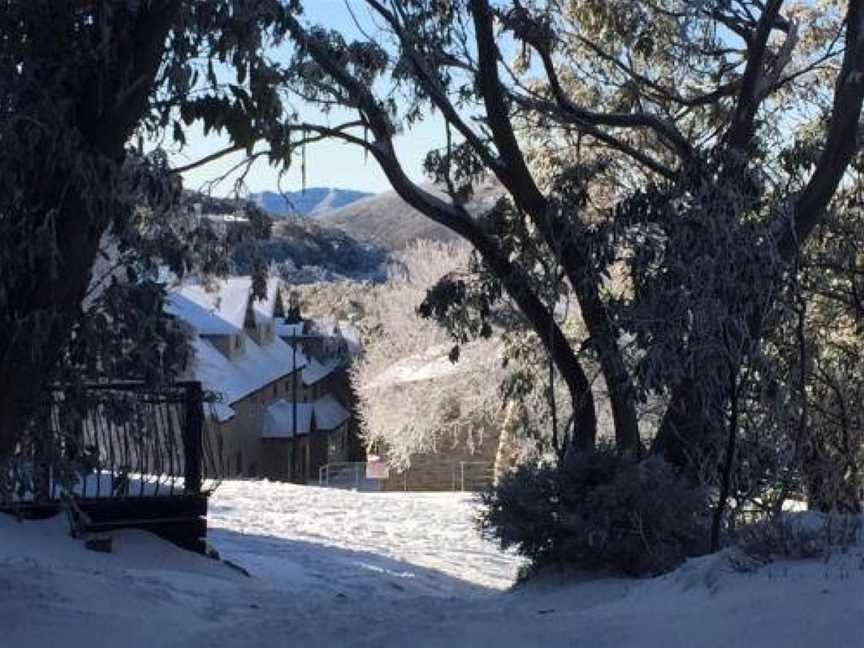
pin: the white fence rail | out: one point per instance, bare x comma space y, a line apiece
465, 476
347, 474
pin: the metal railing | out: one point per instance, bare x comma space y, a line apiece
464, 476
347, 474
114, 440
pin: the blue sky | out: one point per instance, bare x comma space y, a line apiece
329, 164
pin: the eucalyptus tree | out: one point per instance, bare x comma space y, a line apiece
690, 148
686, 149
81, 82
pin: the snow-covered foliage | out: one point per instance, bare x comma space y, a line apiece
695, 148
415, 396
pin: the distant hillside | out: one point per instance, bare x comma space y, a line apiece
303, 250
312, 202
306, 252
388, 220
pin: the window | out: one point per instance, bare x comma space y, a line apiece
239, 462
275, 389
237, 342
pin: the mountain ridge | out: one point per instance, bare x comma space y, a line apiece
387, 220
311, 202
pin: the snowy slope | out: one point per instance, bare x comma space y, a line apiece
337, 568
309, 202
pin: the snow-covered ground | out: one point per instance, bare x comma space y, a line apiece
340, 568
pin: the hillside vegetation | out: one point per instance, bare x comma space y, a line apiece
388, 220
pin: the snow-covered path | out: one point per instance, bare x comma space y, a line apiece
423, 542
338, 568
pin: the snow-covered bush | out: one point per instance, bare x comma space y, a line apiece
599, 510
800, 536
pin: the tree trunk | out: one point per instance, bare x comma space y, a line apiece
833, 483
615, 372
686, 432
504, 459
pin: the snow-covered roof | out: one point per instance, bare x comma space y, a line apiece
326, 412
315, 370
255, 368
220, 308
225, 300
351, 335
264, 308
434, 363
289, 330
220, 411
329, 413
220, 219
200, 318
279, 420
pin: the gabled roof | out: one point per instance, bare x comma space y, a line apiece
220, 307
200, 318
225, 300
324, 414
289, 330
315, 370
279, 420
254, 369
264, 308
329, 413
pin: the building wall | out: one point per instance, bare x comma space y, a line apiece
277, 456
245, 454
338, 384
299, 460
444, 470
242, 451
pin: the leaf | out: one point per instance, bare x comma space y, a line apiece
178, 134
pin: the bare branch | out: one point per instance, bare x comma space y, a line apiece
842, 140
753, 80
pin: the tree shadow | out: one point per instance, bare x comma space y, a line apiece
291, 563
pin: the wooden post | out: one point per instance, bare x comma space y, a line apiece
193, 437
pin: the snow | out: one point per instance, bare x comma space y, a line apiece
351, 335
432, 364
264, 308
329, 413
225, 300
279, 418
220, 310
256, 367
342, 568
316, 370
288, 330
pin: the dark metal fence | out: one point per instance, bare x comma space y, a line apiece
118, 440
